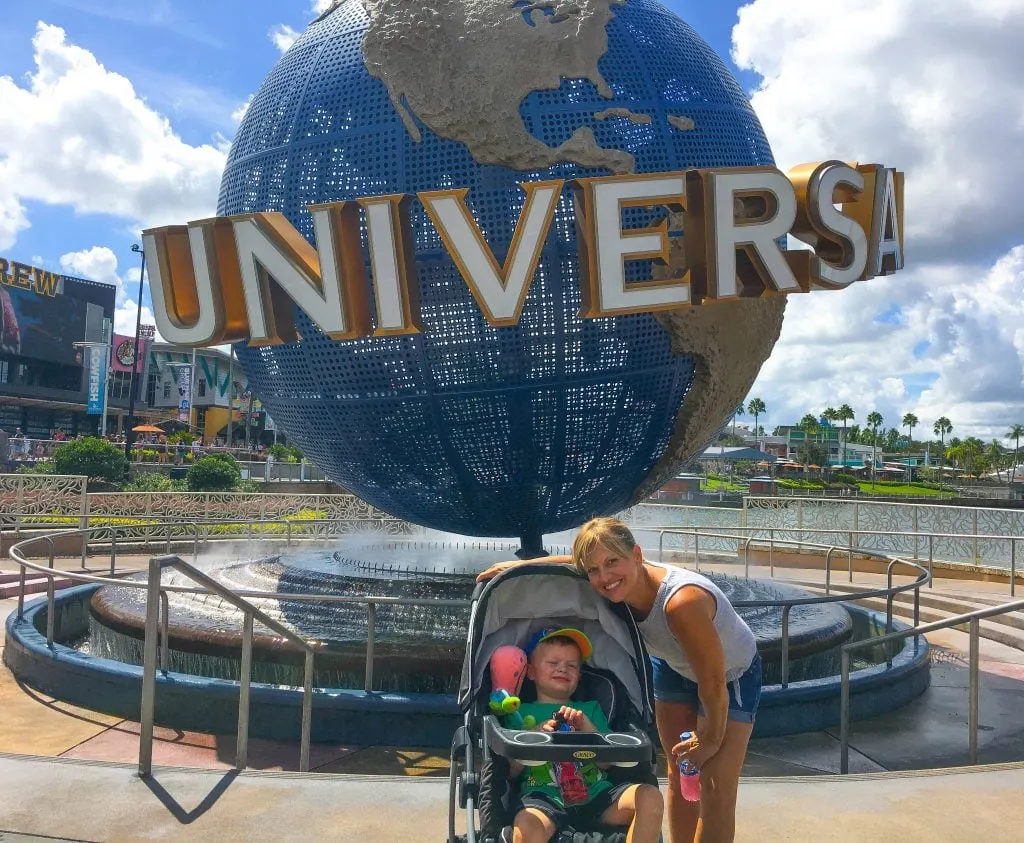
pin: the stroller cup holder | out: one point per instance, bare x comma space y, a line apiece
623, 749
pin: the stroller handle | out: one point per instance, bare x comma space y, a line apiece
533, 747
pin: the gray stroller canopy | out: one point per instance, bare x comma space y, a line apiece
520, 602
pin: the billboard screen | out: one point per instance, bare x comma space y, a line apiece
36, 319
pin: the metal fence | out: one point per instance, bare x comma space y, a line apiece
156, 639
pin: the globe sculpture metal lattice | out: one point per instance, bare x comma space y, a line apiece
480, 430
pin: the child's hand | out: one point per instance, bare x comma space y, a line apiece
574, 717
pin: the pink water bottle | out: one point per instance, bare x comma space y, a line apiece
689, 776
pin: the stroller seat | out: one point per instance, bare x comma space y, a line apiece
509, 610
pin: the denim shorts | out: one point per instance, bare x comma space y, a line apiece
744, 693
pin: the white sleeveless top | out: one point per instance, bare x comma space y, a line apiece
738, 643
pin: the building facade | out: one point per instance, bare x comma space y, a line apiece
204, 397
46, 374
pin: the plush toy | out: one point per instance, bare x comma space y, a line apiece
508, 669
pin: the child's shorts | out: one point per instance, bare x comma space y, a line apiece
744, 693
580, 817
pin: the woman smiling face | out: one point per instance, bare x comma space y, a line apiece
612, 574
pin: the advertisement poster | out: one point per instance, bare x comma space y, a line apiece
97, 380
184, 375
124, 354
40, 326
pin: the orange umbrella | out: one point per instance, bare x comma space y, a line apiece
146, 428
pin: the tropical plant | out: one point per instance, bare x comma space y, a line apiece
1016, 432
215, 473
874, 421
96, 458
968, 455
941, 428
153, 481
810, 426
739, 411
895, 441
994, 456
844, 414
910, 421
756, 407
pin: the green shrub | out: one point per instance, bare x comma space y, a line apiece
181, 436
151, 481
215, 473
284, 453
40, 467
847, 479
96, 458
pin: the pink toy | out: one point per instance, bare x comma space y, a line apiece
508, 668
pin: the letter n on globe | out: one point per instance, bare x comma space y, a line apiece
605, 245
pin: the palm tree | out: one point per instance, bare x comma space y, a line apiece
809, 425
1016, 432
941, 427
830, 415
994, 455
910, 421
874, 421
739, 411
756, 407
844, 414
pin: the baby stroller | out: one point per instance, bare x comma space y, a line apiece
509, 609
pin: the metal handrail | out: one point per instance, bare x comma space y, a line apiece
753, 532
154, 599
371, 602
973, 619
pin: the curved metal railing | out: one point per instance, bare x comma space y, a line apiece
18, 552
156, 638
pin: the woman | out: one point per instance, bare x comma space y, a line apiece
707, 673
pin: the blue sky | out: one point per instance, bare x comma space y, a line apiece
118, 113
194, 62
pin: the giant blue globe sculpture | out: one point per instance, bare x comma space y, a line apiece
499, 431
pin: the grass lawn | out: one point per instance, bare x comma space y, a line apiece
900, 489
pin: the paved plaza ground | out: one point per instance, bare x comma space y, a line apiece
789, 793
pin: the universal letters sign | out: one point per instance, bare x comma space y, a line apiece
230, 278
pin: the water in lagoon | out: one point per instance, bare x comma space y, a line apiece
418, 648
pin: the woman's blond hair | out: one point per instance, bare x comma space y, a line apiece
610, 532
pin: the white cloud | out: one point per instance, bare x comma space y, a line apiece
932, 88
84, 138
936, 90
97, 264
318, 7
282, 36
239, 113
125, 316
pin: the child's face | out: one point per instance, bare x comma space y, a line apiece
555, 670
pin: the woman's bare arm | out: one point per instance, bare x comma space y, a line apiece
691, 617
499, 567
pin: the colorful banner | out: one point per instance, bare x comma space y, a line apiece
184, 377
124, 354
97, 380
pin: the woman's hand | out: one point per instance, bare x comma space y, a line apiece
495, 569
694, 751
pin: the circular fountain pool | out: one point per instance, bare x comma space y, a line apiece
418, 649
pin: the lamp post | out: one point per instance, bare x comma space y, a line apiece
106, 375
129, 435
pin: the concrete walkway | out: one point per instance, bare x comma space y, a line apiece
90, 801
